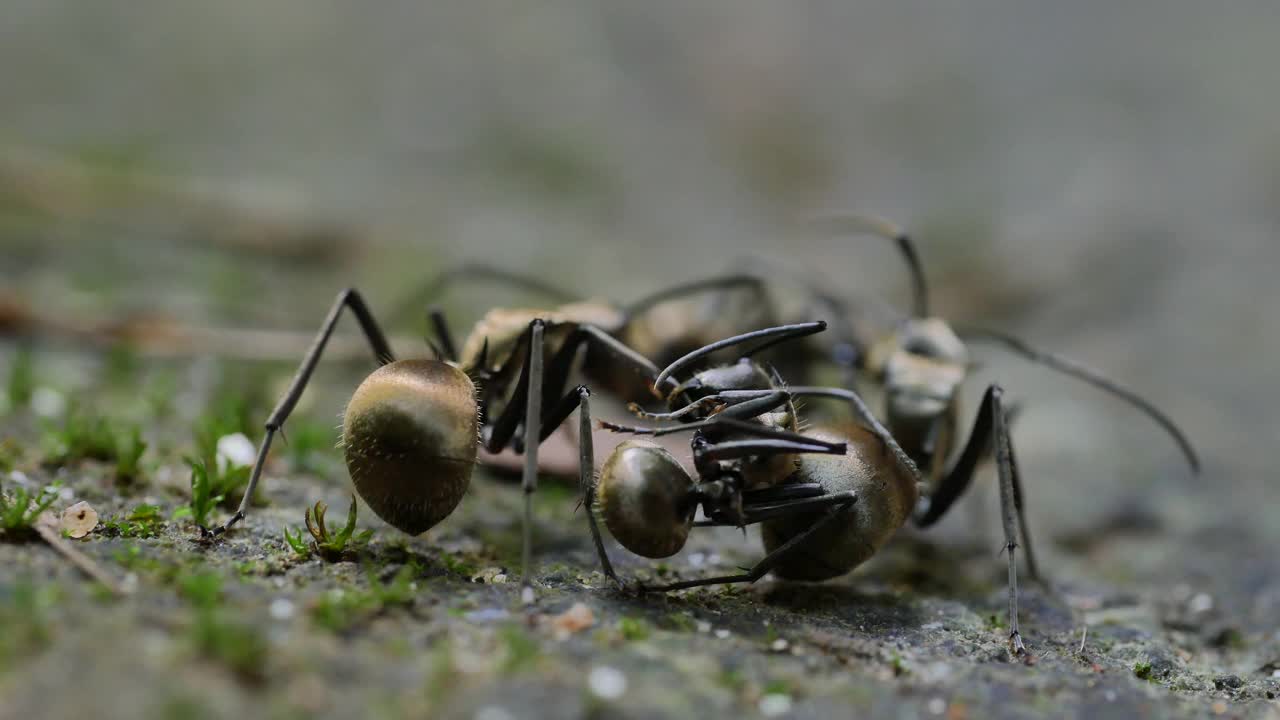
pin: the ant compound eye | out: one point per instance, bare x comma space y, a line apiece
645, 497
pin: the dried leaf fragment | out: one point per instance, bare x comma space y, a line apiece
577, 618
79, 519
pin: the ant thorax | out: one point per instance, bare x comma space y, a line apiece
497, 335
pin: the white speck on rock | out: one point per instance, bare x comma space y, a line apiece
235, 450
775, 704
607, 683
779, 645
1200, 603
486, 615
932, 626
722, 633
281, 609
1110, 695
493, 712
47, 402
703, 626
937, 706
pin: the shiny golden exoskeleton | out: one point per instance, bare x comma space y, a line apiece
410, 439
645, 498
922, 367
887, 494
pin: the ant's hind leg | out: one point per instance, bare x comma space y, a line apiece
352, 300
839, 503
991, 431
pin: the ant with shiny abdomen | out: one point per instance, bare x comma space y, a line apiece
412, 429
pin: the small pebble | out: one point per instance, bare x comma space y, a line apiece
486, 615
703, 626
775, 704
1201, 603
937, 706
779, 645
722, 633
526, 595
607, 683
1110, 695
281, 609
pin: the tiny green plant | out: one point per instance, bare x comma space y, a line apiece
82, 436
144, 521
333, 546
22, 380
129, 449
203, 498
297, 542
19, 510
239, 647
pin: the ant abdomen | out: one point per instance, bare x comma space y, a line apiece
886, 496
646, 499
410, 435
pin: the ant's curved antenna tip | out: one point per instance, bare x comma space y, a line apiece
1074, 369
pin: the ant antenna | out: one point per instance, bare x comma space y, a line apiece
852, 223
1093, 377
772, 336
721, 282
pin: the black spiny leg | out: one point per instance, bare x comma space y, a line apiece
587, 480
350, 299
532, 439
990, 429
837, 504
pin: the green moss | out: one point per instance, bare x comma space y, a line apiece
456, 565
129, 449
1142, 670
10, 454
25, 627
81, 436
520, 650
214, 635
144, 521
633, 629
342, 609
21, 383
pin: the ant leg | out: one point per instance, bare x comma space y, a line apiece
724, 397
840, 502
735, 449
441, 326
587, 480
868, 418
532, 433
990, 428
351, 299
